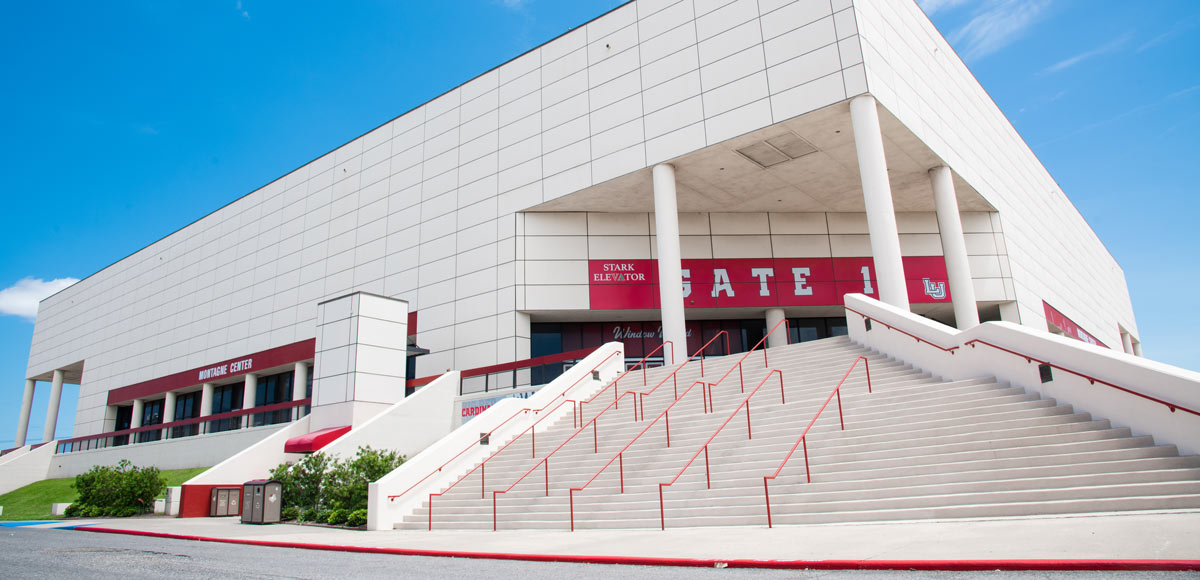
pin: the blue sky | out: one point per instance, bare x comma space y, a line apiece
126, 121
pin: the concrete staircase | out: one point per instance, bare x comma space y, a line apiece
916, 447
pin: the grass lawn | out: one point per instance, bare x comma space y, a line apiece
32, 502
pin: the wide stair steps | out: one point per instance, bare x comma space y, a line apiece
914, 448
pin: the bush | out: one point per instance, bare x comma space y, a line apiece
320, 483
336, 517
308, 515
73, 510
120, 490
322, 517
289, 513
357, 518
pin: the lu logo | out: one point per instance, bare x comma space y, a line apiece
935, 291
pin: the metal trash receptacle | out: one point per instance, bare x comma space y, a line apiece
223, 501
261, 501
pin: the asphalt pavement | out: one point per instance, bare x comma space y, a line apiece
40, 554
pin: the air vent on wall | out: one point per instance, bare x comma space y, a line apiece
777, 149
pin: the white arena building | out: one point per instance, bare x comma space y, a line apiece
667, 171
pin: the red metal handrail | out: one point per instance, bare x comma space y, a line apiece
191, 421
662, 514
545, 461
640, 363
803, 436
738, 364
575, 419
482, 467
620, 456
901, 331
641, 397
1091, 379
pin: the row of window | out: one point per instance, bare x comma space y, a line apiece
271, 390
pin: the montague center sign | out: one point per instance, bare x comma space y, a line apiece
759, 282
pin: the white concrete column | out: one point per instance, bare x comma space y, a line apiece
954, 248
249, 391
670, 276
169, 407
139, 407
52, 408
780, 338
206, 399
877, 195
299, 381
1137, 348
26, 408
1126, 342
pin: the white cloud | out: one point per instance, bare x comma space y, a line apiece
996, 26
21, 299
1074, 60
245, 14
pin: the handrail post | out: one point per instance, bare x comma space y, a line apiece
571, 494
667, 416
595, 436
707, 476
662, 514
767, 500
839, 398
741, 377
867, 365
782, 401
807, 470
749, 436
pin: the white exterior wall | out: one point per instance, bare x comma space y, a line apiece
425, 207
1056, 257
557, 246
422, 208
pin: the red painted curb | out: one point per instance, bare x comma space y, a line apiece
930, 565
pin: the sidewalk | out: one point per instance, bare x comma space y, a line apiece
1108, 537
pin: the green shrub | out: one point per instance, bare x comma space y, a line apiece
322, 517
336, 517
321, 483
308, 515
357, 518
91, 511
120, 490
289, 513
73, 510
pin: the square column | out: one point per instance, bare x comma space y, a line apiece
52, 408
299, 381
779, 337
670, 269
362, 345
249, 392
26, 408
954, 248
877, 195
135, 418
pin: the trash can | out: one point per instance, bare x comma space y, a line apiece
261, 500
223, 501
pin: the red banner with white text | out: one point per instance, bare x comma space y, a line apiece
759, 282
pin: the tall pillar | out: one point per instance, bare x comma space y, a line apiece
206, 399
26, 408
1137, 348
780, 337
169, 407
299, 381
52, 408
1127, 342
249, 392
135, 419
670, 275
877, 195
954, 248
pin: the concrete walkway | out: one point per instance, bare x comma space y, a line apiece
1123, 536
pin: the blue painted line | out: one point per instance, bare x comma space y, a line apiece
23, 524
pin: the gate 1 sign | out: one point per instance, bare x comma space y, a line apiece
759, 282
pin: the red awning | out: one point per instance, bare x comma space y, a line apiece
314, 441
